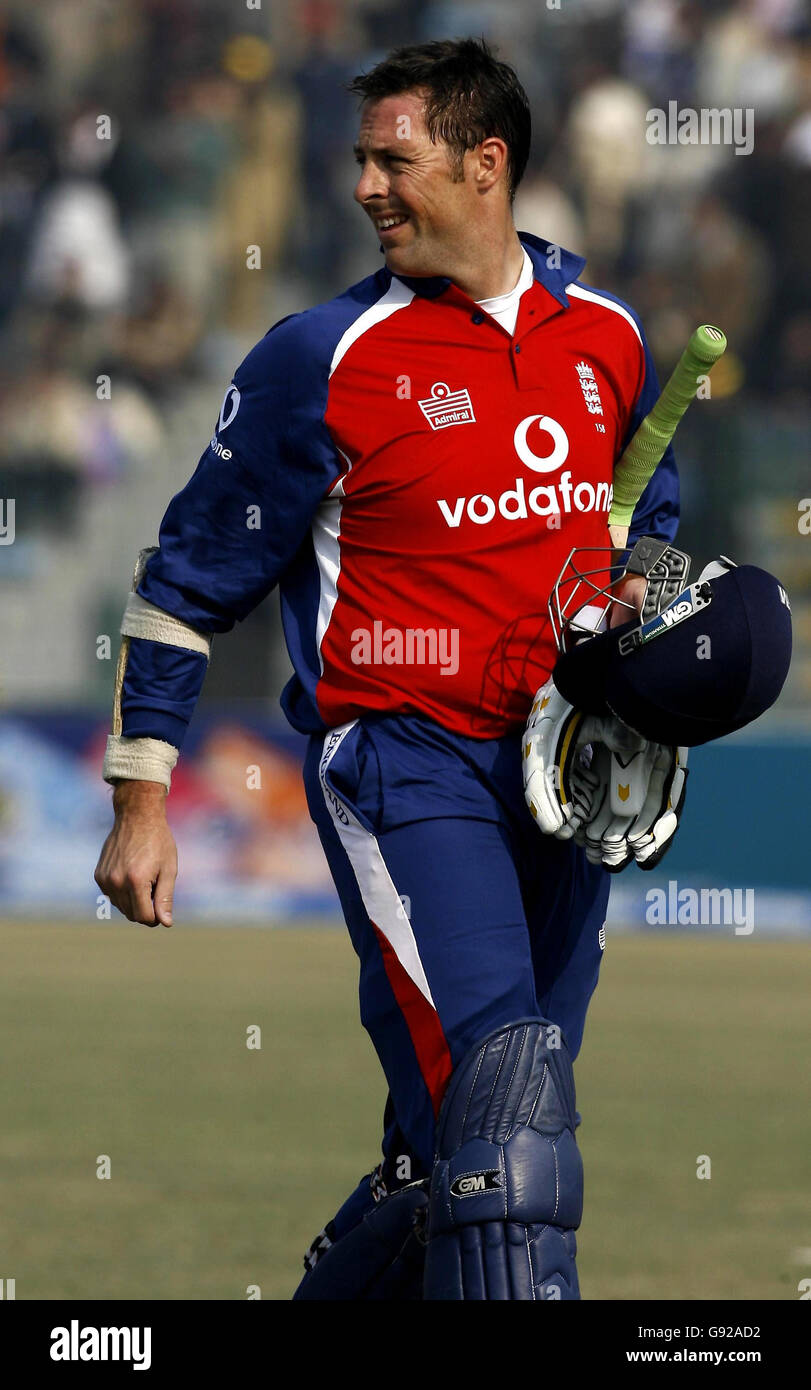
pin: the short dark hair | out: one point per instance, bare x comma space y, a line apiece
470, 95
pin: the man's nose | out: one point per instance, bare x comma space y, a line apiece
371, 184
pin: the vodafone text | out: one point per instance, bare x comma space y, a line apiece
515, 504
548, 499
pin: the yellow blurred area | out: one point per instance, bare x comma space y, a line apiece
248, 58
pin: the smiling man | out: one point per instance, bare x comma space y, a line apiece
423, 451
425, 198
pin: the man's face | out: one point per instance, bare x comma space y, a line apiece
403, 175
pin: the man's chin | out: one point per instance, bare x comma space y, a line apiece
396, 257
401, 260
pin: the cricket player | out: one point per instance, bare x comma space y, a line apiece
411, 463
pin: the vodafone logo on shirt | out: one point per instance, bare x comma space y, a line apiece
546, 499
542, 463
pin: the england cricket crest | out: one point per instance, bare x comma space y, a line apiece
588, 385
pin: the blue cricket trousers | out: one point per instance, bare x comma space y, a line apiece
463, 915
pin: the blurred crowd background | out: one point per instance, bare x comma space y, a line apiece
229, 127
136, 269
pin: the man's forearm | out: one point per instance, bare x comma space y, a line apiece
160, 671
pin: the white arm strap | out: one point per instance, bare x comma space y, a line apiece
146, 759
139, 759
143, 619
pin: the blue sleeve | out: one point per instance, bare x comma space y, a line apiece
657, 511
160, 691
228, 537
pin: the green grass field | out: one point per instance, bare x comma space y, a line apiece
225, 1162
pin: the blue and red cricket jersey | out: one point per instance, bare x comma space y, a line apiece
413, 478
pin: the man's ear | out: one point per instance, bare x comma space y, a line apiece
492, 159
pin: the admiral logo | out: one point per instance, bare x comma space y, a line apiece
474, 1183
445, 407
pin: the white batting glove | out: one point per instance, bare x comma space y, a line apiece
593, 779
549, 744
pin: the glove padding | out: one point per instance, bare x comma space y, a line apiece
592, 779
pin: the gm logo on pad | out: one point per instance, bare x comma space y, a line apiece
472, 1183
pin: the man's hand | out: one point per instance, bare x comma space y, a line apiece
137, 866
631, 589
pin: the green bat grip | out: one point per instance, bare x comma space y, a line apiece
634, 470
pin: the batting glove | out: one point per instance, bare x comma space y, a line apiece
592, 779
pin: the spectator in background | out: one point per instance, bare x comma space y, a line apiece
259, 192
327, 224
78, 254
608, 167
27, 156
65, 439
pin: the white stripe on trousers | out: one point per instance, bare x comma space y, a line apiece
380, 897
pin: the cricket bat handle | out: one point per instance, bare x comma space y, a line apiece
634, 469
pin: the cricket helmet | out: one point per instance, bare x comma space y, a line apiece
701, 661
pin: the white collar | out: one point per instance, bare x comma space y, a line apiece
502, 301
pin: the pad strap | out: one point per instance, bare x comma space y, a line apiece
381, 1258
143, 619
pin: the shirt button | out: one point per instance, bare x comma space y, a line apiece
477, 318
517, 347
